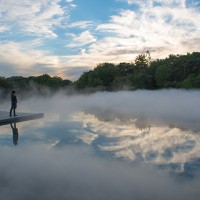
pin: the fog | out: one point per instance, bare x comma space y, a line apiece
176, 107
56, 157
74, 173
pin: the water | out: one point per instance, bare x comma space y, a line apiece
125, 145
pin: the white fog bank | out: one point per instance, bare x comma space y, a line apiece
36, 172
176, 107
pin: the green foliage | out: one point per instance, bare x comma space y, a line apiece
4, 83
40, 84
101, 77
163, 76
191, 82
143, 60
175, 71
47, 81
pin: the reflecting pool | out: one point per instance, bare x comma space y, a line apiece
124, 145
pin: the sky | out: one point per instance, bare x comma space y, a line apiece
68, 37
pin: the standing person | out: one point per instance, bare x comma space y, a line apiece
13, 103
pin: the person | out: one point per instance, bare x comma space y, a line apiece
13, 103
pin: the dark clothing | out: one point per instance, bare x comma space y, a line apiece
13, 104
13, 100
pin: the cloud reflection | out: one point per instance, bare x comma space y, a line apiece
62, 156
161, 145
158, 127
37, 172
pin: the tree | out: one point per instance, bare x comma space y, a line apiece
125, 69
191, 82
143, 60
5, 83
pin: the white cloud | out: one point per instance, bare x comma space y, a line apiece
170, 28
171, 3
73, 5
30, 16
18, 55
80, 24
4, 28
156, 27
162, 30
82, 39
163, 27
24, 57
83, 51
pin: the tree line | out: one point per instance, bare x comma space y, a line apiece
44, 84
175, 71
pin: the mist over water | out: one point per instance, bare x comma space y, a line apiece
107, 145
167, 106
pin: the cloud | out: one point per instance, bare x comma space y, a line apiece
73, 71
163, 27
4, 28
80, 24
154, 28
7, 69
25, 58
24, 55
34, 17
172, 3
73, 5
82, 39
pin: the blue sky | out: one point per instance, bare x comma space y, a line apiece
67, 37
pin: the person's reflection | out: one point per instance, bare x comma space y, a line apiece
15, 133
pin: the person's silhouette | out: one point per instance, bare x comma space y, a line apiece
15, 133
13, 103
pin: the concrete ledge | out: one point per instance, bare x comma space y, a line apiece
6, 119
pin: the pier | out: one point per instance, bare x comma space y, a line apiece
5, 118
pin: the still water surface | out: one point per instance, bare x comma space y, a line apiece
89, 147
